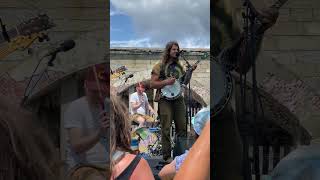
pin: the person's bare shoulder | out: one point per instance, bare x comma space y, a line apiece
143, 171
156, 68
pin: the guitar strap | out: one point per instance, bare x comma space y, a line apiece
162, 75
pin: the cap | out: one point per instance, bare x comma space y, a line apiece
200, 119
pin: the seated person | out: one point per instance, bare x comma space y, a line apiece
86, 124
198, 122
140, 105
125, 165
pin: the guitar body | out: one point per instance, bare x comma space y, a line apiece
24, 34
172, 92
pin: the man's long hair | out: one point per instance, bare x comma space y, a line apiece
166, 53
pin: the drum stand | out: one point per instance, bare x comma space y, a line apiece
250, 20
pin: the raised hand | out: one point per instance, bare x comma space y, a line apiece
141, 98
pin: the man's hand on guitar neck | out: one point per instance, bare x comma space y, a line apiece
194, 67
269, 18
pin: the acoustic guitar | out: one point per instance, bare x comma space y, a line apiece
24, 34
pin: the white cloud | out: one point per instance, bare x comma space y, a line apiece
160, 21
116, 29
115, 13
144, 42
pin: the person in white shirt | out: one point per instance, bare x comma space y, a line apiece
140, 105
86, 122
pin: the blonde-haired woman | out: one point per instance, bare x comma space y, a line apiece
124, 165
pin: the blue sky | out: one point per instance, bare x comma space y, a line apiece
152, 23
121, 25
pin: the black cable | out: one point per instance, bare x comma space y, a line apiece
245, 126
261, 106
189, 98
251, 46
4, 31
25, 95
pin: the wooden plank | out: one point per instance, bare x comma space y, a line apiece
78, 13
265, 159
41, 4
290, 43
14, 14
276, 155
287, 150
79, 25
295, 29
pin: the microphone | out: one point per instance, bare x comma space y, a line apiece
129, 76
179, 53
65, 46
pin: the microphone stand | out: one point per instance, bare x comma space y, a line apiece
126, 79
250, 17
189, 96
53, 57
26, 95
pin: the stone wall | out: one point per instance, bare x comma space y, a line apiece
137, 60
288, 66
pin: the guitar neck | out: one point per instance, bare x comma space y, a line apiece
278, 4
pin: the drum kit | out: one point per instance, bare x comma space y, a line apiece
148, 136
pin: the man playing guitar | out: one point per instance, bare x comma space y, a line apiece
165, 73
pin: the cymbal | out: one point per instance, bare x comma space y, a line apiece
146, 117
149, 118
